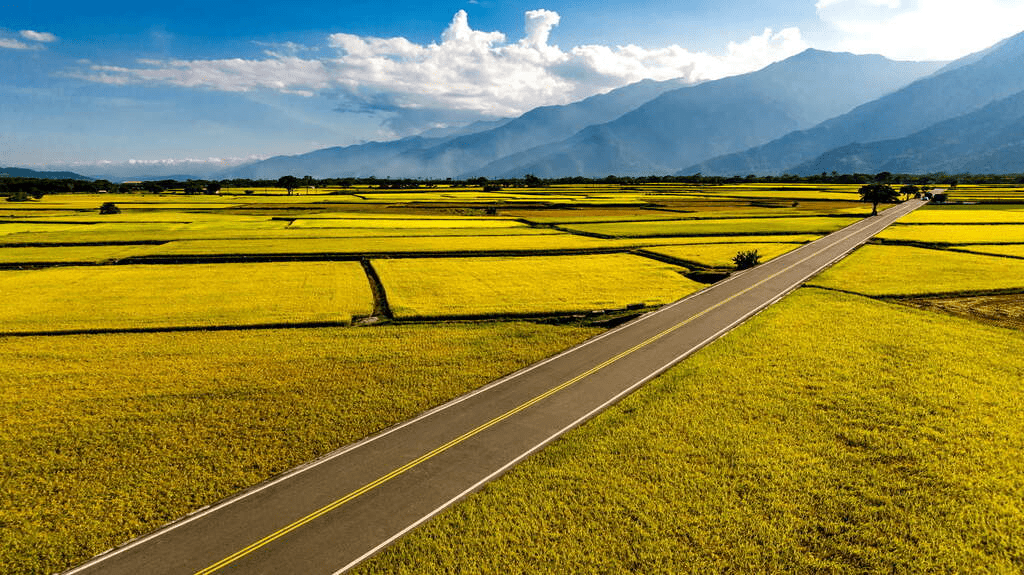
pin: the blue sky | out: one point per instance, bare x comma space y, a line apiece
199, 82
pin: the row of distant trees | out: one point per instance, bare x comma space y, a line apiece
26, 188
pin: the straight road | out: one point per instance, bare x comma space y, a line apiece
327, 516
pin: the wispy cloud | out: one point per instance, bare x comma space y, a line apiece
468, 70
14, 44
920, 29
34, 36
35, 40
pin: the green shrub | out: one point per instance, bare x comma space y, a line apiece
746, 259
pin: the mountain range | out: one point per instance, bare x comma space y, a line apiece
451, 155
27, 173
959, 89
813, 112
644, 128
696, 123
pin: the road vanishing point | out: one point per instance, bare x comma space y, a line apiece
332, 513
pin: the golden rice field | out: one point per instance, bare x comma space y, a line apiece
719, 227
405, 223
69, 254
425, 288
982, 214
720, 255
829, 434
956, 234
901, 270
695, 209
107, 437
1013, 250
100, 233
12, 229
525, 243
815, 438
133, 297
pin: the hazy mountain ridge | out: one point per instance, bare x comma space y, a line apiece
987, 141
699, 122
959, 88
27, 173
450, 156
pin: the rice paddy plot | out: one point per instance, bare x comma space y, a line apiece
787, 191
69, 254
136, 296
979, 214
149, 216
14, 229
902, 270
720, 255
686, 241
1005, 310
829, 434
186, 232
437, 288
987, 193
1013, 250
956, 234
716, 227
407, 223
439, 244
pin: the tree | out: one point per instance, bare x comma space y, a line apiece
109, 208
289, 183
746, 259
212, 188
877, 193
909, 190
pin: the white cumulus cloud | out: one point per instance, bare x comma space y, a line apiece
38, 36
920, 29
467, 71
35, 40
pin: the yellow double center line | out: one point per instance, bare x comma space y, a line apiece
437, 451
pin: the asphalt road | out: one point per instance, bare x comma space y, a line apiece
329, 515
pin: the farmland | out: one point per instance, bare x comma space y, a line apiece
135, 297
721, 227
784, 447
721, 255
902, 270
419, 288
108, 435
956, 234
